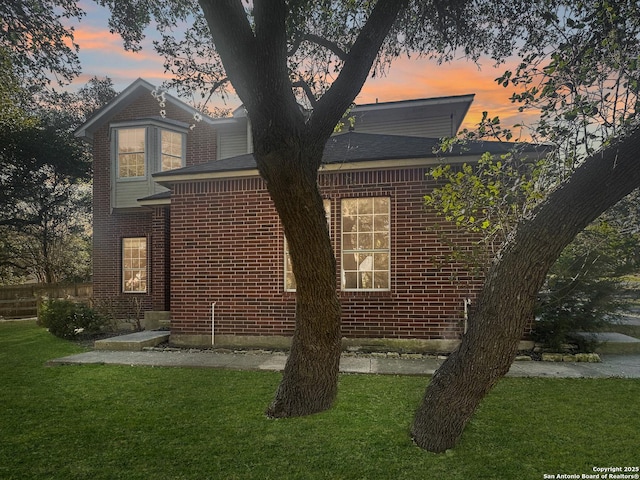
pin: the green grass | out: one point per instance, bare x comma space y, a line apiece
115, 422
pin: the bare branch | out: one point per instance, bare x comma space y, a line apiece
307, 90
318, 40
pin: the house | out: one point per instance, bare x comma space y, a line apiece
184, 227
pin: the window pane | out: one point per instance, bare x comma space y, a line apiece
171, 146
365, 243
365, 206
350, 241
350, 280
171, 143
365, 223
131, 152
134, 264
381, 280
381, 205
381, 241
381, 261
131, 140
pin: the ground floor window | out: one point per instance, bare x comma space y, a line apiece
366, 243
134, 265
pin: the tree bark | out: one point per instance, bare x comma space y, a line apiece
508, 296
310, 378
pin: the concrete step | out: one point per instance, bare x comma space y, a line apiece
133, 342
612, 342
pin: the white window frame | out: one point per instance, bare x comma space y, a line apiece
162, 154
289, 278
144, 152
372, 254
138, 266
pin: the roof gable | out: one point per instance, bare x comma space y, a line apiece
125, 98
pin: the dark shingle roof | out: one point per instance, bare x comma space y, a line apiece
354, 147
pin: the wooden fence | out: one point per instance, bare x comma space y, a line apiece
21, 301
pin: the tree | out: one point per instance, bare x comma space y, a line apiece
44, 185
587, 89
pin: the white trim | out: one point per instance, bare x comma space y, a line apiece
468, 98
153, 203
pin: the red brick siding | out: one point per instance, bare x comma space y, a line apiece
111, 226
227, 247
160, 259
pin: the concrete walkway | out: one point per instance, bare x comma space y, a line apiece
625, 366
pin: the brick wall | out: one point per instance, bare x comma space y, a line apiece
227, 247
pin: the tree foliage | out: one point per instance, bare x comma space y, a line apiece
45, 181
581, 73
39, 44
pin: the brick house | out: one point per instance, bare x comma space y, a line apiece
184, 226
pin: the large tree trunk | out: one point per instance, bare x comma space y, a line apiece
310, 379
509, 293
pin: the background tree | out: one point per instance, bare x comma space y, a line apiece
38, 43
45, 181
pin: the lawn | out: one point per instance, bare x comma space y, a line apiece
117, 422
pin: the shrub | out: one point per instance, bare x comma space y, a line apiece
66, 319
582, 291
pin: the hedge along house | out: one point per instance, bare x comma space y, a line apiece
184, 227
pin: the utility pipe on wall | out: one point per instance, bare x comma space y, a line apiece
213, 324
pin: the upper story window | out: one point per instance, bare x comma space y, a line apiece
139, 149
171, 150
131, 152
366, 245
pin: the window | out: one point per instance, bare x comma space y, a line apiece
134, 265
289, 279
131, 152
139, 149
171, 150
366, 244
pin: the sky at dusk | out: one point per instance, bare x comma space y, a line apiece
102, 54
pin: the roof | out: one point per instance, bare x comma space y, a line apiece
354, 147
140, 86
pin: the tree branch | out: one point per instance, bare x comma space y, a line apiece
318, 40
357, 66
234, 41
307, 90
